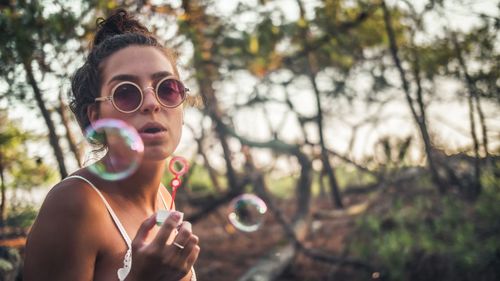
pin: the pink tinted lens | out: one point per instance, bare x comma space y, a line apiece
127, 97
171, 92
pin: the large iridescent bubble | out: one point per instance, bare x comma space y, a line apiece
246, 212
125, 149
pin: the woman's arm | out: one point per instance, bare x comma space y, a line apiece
63, 242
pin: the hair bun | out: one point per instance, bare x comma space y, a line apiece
119, 22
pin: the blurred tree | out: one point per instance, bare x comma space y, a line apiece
67, 119
414, 100
329, 44
32, 37
438, 58
18, 170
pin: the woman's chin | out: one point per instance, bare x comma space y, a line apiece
156, 154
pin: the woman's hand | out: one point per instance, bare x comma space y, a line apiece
158, 260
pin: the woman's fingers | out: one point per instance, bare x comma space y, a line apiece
189, 245
182, 237
185, 230
143, 232
185, 243
193, 255
166, 229
162, 258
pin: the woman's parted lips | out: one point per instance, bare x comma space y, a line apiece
152, 128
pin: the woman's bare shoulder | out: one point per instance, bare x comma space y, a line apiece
69, 227
71, 207
73, 197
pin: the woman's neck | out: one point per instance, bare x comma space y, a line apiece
141, 188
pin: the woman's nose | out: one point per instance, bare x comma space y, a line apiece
150, 103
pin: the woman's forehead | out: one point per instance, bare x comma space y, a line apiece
139, 61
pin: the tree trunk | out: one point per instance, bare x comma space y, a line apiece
207, 74
334, 186
69, 135
473, 96
483, 127
53, 138
476, 188
303, 186
211, 171
421, 120
312, 71
418, 118
321, 175
3, 189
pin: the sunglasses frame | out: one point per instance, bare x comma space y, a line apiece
155, 90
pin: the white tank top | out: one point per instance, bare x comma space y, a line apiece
127, 260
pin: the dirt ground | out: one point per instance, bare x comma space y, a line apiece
227, 254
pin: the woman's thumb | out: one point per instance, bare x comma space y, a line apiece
143, 231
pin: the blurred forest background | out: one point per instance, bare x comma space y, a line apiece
369, 127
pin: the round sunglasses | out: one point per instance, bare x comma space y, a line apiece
127, 96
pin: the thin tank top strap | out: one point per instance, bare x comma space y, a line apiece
110, 210
163, 198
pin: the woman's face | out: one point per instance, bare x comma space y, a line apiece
159, 127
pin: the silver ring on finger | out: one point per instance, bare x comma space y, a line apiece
178, 245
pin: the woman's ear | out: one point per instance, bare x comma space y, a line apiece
93, 113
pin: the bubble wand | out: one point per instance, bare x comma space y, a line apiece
176, 181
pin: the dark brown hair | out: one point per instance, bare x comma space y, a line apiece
118, 31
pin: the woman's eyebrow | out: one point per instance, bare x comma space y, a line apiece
134, 78
123, 77
161, 74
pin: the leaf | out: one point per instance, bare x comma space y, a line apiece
254, 44
302, 22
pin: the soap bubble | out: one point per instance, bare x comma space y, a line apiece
246, 212
125, 149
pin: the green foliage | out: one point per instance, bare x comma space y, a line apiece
345, 49
444, 235
481, 46
27, 30
348, 175
22, 215
285, 187
20, 169
199, 180
434, 59
282, 187
391, 155
5, 265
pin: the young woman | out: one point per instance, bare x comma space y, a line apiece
89, 228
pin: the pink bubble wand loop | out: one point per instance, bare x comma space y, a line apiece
176, 181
